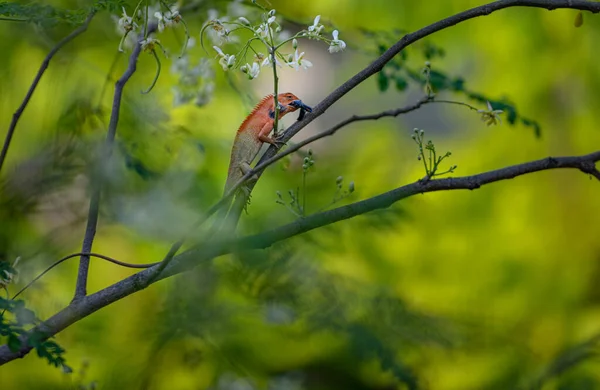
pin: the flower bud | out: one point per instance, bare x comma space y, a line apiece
244, 68
295, 43
351, 187
244, 21
339, 179
272, 12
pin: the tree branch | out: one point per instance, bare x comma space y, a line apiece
87, 305
92, 220
407, 40
17, 115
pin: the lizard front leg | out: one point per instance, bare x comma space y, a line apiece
263, 135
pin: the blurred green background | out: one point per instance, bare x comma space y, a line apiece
488, 289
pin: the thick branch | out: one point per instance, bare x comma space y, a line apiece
89, 304
407, 40
17, 115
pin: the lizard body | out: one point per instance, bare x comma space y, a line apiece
254, 131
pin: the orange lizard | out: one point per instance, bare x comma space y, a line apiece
255, 130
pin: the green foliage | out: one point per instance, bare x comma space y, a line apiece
12, 332
112, 6
42, 14
400, 73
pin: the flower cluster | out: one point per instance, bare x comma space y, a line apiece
196, 83
270, 34
490, 116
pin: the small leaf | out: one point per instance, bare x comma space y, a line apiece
383, 81
401, 83
578, 19
14, 344
25, 316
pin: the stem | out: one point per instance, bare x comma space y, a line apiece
303, 193
273, 50
13, 19
156, 75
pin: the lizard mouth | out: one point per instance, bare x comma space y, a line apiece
298, 104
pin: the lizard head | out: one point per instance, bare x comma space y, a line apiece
291, 103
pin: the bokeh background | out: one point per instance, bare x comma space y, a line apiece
489, 289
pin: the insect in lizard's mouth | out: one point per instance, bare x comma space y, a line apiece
298, 104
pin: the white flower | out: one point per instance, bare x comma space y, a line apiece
314, 31
217, 32
253, 71
195, 83
149, 43
336, 44
227, 61
263, 30
490, 116
126, 22
299, 61
267, 61
205, 94
168, 18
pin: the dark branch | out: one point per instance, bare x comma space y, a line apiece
263, 240
17, 115
87, 305
92, 220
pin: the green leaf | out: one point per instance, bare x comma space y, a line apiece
401, 83
383, 82
25, 316
14, 344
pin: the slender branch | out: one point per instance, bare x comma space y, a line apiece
17, 115
87, 305
455, 102
92, 220
6, 19
407, 40
72, 255
585, 163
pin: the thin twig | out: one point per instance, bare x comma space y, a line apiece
17, 115
97, 255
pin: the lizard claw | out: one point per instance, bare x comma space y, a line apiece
278, 141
